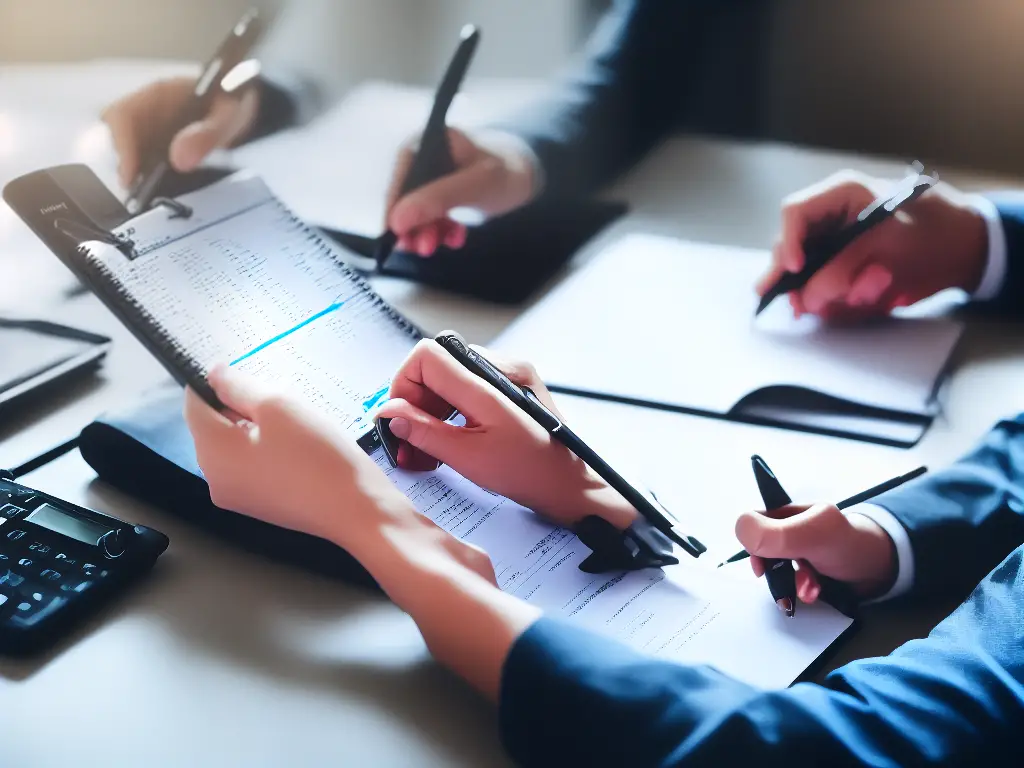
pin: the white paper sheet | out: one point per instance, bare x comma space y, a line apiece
659, 319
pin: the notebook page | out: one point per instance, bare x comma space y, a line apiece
677, 319
263, 294
243, 282
688, 613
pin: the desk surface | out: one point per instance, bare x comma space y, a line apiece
222, 658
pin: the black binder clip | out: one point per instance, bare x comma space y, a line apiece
639, 546
178, 209
81, 232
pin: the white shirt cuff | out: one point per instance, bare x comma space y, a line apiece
995, 265
904, 552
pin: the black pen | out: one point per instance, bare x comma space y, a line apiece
779, 573
232, 52
433, 158
820, 250
525, 399
858, 498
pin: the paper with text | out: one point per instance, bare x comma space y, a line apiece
243, 281
678, 320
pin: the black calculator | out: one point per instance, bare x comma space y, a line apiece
59, 562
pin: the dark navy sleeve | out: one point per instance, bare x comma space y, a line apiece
964, 519
956, 697
651, 67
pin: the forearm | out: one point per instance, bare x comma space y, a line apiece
604, 113
467, 622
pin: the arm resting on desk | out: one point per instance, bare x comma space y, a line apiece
646, 68
572, 698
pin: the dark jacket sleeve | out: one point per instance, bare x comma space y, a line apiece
1010, 299
652, 66
570, 697
966, 518
278, 108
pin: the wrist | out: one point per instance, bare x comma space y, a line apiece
877, 555
521, 164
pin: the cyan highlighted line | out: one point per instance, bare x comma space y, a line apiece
333, 308
381, 394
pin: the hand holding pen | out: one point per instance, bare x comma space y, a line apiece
933, 241
848, 553
516, 444
443, 169
173, 124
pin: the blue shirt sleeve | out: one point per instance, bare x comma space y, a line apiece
570, 697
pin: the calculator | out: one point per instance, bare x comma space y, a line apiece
59, 562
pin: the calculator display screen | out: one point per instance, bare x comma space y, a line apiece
78, 528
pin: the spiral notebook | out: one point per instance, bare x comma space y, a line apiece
229, 274
665, 323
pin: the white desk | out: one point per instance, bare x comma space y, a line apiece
225, 659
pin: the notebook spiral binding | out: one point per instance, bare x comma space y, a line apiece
138, 317
146, 323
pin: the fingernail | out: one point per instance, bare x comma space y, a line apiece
400, 428
785, 605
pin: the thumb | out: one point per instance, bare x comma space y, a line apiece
798, 534
229, 117
440, 440
238, 391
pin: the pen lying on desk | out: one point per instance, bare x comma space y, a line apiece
859, 498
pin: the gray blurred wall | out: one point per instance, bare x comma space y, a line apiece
936, 79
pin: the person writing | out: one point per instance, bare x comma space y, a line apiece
955, 697
650, 68
946, 239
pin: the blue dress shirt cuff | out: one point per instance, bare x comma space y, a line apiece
995, 265
901, 541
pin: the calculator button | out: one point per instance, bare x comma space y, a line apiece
12, 579
65, 560
30, 612
9, 511
25, 562
3, 557
39, 549
90, 570
79, 587
3, 599
15, 535
51, 575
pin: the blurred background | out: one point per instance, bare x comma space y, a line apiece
937, 79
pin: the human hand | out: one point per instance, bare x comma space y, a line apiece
285, 464
500, 447
149, 119
492, 176
933, 243
849, 548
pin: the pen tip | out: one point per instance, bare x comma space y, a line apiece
786, 606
